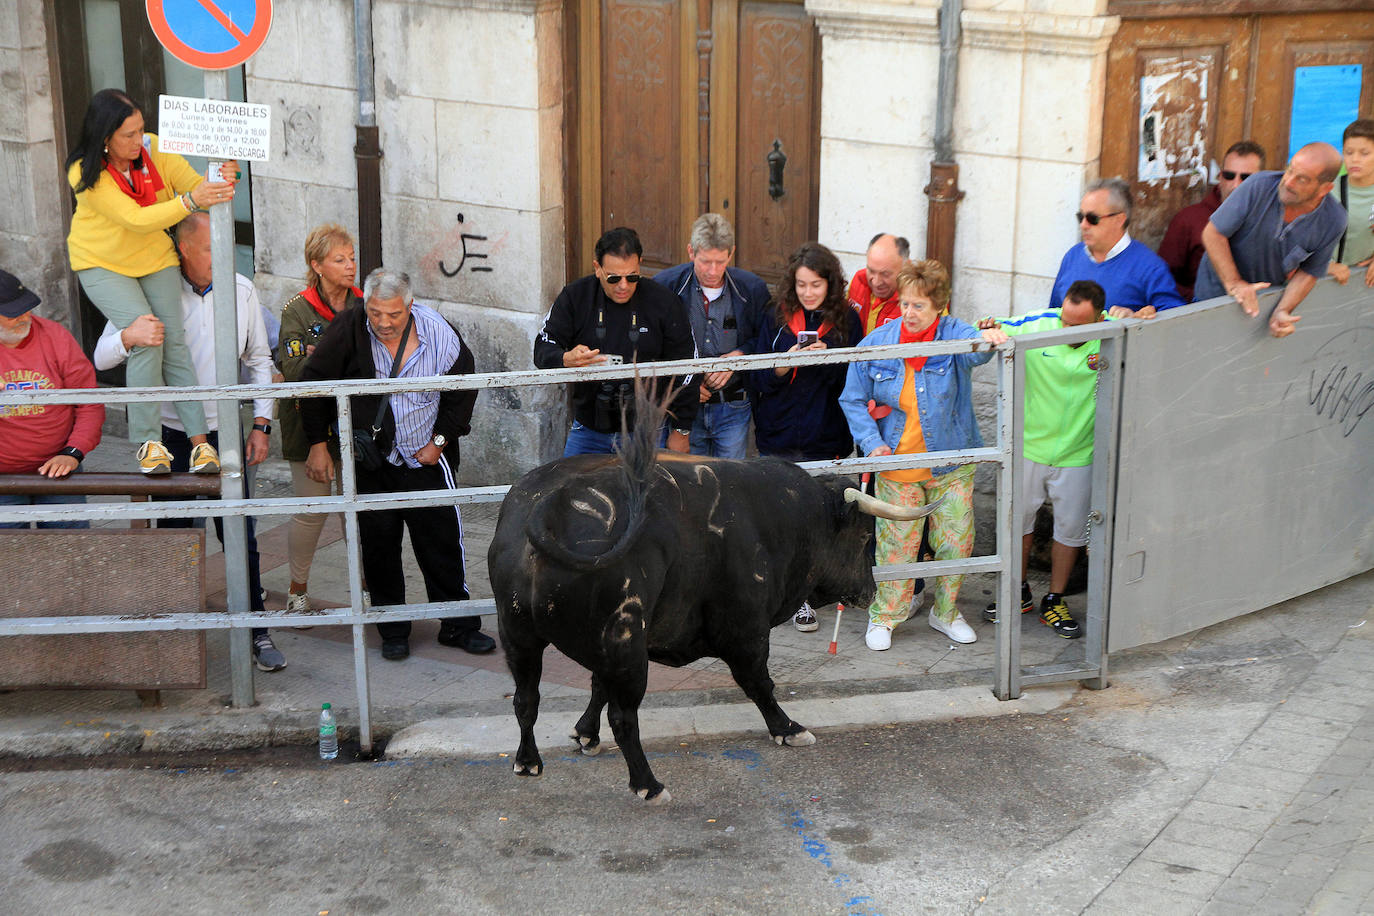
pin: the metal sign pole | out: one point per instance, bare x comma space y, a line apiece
230, 431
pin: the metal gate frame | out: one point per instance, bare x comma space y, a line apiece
1009, 676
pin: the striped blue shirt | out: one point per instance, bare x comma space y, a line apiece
415, 412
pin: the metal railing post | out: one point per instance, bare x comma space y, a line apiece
1111, 356
349, 479
1008, 631
235, 527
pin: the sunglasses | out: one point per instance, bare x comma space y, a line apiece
1094, 218
614, 279
1229, 175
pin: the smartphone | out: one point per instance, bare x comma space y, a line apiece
615, 359
807, 338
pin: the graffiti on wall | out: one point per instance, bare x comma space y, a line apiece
460, 250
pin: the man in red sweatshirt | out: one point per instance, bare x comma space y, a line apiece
47, 439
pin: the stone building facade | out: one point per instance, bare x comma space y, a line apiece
471, 98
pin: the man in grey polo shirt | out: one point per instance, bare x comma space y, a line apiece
1276, 228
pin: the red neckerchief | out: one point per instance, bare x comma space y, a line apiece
312, 295
926, 336
142, 184
796, 324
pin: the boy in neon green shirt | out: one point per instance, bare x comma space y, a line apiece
1060, 408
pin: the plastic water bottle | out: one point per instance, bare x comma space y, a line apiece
329, 734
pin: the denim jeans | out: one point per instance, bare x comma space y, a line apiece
721, 430
583, 440
38, 499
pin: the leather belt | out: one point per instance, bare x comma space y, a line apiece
727, 397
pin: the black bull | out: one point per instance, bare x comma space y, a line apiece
687, 558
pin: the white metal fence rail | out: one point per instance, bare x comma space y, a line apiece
1009, 676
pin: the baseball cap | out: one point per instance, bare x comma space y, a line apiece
15, 297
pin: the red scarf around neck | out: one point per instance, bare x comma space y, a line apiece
926, 336
142, 184
311, 294
797, 324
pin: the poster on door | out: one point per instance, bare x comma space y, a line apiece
1175, 117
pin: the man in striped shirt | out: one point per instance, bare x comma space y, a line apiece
418, 437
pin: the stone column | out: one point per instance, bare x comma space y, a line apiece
1027, 134
33, 226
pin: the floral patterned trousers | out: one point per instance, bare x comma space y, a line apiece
951, 534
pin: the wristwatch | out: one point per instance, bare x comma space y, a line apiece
263, 428
440, 440
683, 432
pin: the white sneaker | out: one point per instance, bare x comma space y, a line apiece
878, 637
957, 629
805, 619
917, 599
298, 604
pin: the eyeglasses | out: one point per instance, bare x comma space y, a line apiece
1229, 175
1095, 218
614, 279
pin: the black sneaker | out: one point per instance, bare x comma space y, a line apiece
1027, 603
1054, 613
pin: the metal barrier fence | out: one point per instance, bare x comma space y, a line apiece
1009, 675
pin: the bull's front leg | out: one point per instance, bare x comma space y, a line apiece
587, 731
749, 666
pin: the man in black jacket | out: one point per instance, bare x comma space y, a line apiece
615, 315
418, 439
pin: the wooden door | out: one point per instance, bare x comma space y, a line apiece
1176, 99
677, 106
768, 105
1182, 87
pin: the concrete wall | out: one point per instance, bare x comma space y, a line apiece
1243, 477
1027, 128
469, 105
32, 224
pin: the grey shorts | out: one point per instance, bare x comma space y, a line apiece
1068, 490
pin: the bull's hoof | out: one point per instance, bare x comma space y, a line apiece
662, 798
528, 769
802, 738
589, 745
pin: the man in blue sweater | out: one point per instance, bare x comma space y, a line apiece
1137, 281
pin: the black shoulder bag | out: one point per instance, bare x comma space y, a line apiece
367, 454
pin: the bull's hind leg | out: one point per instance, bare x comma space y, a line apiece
587, 731
624, 693
750, 670
526, 665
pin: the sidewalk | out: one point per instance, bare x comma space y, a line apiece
1268, 812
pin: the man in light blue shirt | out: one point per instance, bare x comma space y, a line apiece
1276, 228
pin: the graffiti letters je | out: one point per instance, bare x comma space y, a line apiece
1336, 389
463, 240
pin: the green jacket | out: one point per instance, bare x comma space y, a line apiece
1061, 395
301, 327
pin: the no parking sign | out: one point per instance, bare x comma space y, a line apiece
211, 34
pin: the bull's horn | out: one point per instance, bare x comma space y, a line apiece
874, 506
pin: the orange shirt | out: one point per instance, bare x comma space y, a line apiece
913, 441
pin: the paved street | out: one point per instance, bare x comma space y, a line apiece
1239, 780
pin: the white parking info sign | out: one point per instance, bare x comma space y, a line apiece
215, 128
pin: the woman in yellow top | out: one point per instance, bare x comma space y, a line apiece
128, 193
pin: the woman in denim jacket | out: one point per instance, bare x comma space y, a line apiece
910, 406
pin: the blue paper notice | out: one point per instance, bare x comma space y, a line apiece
1325, 101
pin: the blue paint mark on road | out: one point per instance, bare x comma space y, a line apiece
860, 906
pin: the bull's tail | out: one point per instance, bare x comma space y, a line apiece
638, 457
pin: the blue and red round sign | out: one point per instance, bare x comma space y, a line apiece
211, 34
